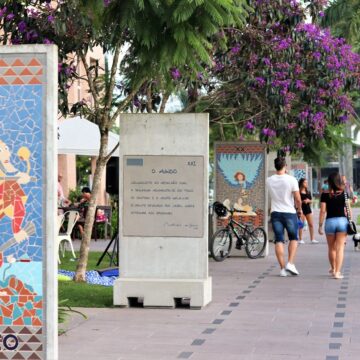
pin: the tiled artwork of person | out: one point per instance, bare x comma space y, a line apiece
21, 245
298, 173
240, 179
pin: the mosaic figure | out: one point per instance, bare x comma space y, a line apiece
13, 197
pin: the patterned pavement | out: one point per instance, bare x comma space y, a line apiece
255, 314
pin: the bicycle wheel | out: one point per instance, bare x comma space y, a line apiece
256, 243
220, 245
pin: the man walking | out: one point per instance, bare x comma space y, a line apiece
285, 209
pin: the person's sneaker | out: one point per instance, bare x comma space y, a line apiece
314, 241
291, 269
301, 242
283, 273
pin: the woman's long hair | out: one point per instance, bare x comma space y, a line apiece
301, 185
335, 183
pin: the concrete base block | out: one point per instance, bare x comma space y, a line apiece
162, 292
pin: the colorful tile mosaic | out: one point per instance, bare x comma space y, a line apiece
240, 179
299, 170
21, 217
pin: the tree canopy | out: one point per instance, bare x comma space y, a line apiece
282, 79
343, 16
159, 37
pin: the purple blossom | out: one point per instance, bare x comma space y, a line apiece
249, 126
286, 148
175, 74
300, 145
298, 69
291, 126
219, 66
31, 35
300, 85
3, 11
10, 16
333, 62
283, 44
22, 26
335, 85
268, 132
46, 41
107, 3
260, 81
235, 49
321, 14
267, 61
303, 115
345, 103
289, 97
343, 118
137, 102
316, 55
318, 123
50, 18
33, 13
253, 59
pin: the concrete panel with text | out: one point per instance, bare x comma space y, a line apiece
163, 210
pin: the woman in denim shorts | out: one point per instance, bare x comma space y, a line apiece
332, 204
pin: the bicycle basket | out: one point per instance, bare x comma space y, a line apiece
220, 209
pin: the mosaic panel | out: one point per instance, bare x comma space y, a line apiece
22, 96
299, 170
240, 179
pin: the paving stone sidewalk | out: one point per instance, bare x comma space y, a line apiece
254, 315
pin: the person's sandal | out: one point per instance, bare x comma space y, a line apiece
331, 272
338, 276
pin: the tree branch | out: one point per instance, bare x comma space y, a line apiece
165, 99
114, 67
90, 81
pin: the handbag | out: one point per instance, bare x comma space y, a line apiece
351, 226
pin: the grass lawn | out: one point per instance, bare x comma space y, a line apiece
82, 294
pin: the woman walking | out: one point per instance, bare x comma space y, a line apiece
306, 200
332, 204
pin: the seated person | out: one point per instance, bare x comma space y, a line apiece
83, 205
61, 199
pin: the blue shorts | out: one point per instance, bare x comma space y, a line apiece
335, 225
281, 221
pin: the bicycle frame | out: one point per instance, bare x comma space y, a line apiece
244, 229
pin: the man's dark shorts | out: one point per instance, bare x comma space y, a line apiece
281, 221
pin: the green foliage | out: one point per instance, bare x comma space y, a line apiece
175, 33
83, 170
74, 195
64, 311
343, 17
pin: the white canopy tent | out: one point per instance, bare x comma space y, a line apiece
81, 137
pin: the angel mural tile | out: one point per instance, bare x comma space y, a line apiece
240, 171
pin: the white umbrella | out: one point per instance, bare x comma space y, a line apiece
82, 137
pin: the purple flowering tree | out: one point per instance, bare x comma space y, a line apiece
282, 80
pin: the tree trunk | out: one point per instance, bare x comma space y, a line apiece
346, 158
90, 215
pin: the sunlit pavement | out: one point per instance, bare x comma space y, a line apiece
255, 314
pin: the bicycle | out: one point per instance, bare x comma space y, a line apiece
254, 240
